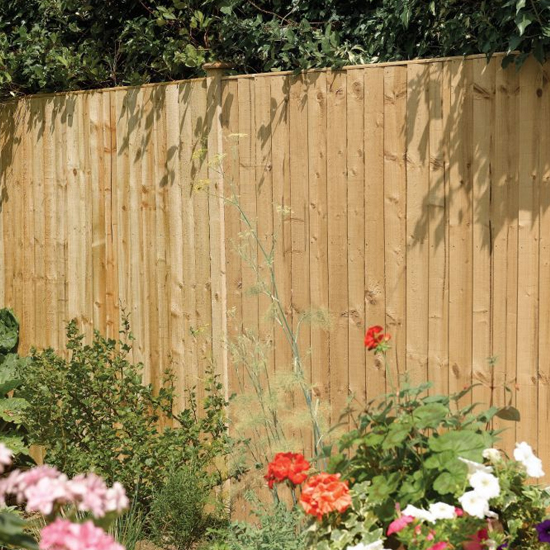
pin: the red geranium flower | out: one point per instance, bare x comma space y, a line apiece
325, 493
291, 466
375, 336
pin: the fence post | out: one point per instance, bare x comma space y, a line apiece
214, 73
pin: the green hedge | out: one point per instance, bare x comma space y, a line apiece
54, 45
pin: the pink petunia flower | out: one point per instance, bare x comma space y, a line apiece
398, 524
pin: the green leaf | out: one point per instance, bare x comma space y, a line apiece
11, 410
12, 532
523, 20
430, 416
449, 482
383, 486
509, 413
464, 443
397, 433
9, 331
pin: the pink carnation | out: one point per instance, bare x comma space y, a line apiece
64, 535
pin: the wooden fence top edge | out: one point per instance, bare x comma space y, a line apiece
253, 75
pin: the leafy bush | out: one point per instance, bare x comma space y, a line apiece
92, 413
12, 408
178, 517
53, 45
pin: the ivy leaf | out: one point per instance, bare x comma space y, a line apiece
523, 20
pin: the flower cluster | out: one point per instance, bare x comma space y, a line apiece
485, 486
523, 453
321, 494
287, 466
64, 535
45, 490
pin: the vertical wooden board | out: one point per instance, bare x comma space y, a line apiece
247, 155
233, 268
217, 228
149, 231
543, 409
20, 172
395, 198
418, 207
27, 175
318, 231
299, 227
97, 173
74, 221
264, 204
121, 188
38, 191
528, 249
202, 230
355, 121
280, 143
8, 148
175, 230
61, 241
161, 182
459, 127
112, 315
483, 124
187, 249
85, 160
132, 140
375, 290
437, 211
337, 199
504, 217
50, 211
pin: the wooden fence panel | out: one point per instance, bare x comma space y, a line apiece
418, 200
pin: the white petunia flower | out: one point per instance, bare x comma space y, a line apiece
474, 467
492, 455
533, 465
440, 510
376, 545
474, 504
418, 513
486, 485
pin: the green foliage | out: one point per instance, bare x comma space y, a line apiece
13, 532
52, 45
407, 448
92, 413
11, 408
277, 528
178, 515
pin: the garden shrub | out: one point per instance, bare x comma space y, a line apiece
179, 516
93, 413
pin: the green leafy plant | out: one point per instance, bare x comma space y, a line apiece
275, 528
55, 45
179, 516
93, 413
12, 409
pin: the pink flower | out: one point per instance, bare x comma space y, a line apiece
6, 457
90, 493
438, 546
116, 499
64, 535
43, 495
459, 512
398, 524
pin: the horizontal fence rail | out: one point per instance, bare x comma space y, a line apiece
418, 198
